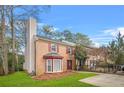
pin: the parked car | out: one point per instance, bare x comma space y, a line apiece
120, 67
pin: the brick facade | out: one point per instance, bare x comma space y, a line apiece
42, 48
37, 47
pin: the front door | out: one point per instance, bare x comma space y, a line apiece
69, 64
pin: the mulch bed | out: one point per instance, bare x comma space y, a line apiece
48, 76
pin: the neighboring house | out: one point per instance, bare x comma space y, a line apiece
44, 55
95, 56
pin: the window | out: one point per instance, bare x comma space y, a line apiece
57, 65
49, 65
69, 50
53, 65
53, 48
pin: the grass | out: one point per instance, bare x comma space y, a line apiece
21, 79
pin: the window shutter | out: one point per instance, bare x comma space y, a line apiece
58, 48
73, 50
49, 47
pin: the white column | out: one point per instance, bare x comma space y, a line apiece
30, 46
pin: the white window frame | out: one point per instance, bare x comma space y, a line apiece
55, 45
70, 50
60, 60
53, 65
47, 65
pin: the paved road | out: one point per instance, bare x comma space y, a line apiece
105, 80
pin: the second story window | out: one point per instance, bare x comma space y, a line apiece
69, 50
53, 47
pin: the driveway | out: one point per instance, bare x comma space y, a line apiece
105, 80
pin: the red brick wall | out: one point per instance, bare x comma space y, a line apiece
42, 49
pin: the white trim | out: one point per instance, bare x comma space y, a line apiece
69, 50
47, 65
53, 44
62, 65
60, 69
53, 65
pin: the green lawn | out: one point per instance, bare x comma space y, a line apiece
21, 79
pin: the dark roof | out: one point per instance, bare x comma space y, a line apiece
55, 40
61, 42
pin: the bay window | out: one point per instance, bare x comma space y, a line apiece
57, 65
49, 65
53, 65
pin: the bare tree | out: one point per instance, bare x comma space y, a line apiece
10, 19
17, 18
3, 43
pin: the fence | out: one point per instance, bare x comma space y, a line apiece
1, 70
109, 68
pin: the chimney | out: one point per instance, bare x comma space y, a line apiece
29, 64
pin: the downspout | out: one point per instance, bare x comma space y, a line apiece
35, 55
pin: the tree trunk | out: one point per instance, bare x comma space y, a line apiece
4, 46
5, 60
16, 58
13, 40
